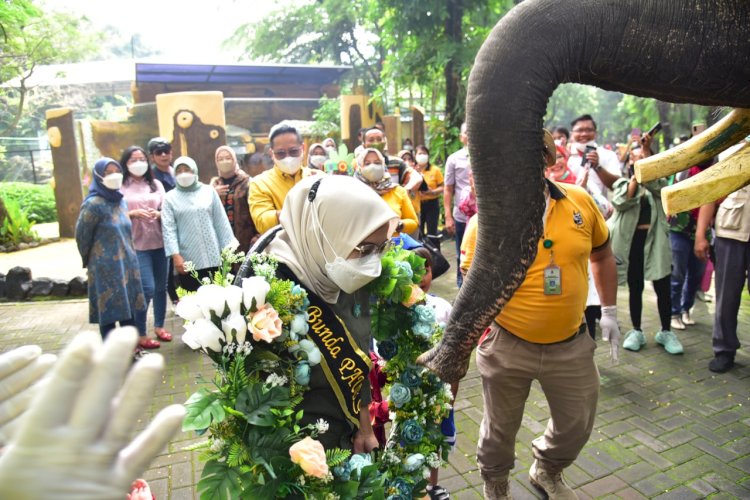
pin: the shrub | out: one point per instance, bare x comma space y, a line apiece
16, 227
37, 201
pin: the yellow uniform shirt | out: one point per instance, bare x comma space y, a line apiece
576, 227
433, 178
398, 199
266, 195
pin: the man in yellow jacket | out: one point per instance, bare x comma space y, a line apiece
268, 190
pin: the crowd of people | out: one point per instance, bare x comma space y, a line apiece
144, 229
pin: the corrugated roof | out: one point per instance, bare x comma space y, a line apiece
222, 74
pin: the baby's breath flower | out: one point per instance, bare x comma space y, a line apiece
188, 266
321, 426
276, 380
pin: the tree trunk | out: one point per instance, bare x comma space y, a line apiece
454, 33
663, 108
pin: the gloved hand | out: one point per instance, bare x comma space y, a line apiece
74, 442
611, 331
21, 370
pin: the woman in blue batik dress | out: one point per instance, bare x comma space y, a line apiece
103, 235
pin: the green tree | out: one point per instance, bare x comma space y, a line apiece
31, 37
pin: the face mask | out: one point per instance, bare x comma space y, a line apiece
349, 275
113, 181
581, 147
374, 172
225, 166
317, 160
185, 179
558, 142
289, 165
408, 147
422, 159
330, 149
352, 274
380, 146
138, 168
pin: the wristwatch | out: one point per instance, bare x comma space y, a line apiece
400, 226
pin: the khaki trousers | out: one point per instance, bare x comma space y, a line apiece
570, 381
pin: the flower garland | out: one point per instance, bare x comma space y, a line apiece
256, 335
418, 400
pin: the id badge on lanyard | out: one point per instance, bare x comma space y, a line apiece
552, 274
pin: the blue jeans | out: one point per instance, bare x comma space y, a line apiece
687, 273
153, 265
460, 229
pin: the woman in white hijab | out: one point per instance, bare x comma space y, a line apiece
333, 231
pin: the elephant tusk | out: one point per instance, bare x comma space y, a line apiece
725, 133
724, 178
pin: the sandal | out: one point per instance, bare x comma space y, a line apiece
148, 343
437, 492
163, 335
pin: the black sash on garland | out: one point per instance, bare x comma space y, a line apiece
345, 366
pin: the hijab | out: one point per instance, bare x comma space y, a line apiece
186, 160
310, 155
216, 158
343, 209
384, 185
97, 187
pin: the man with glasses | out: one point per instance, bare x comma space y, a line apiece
268, 190
597, 167
160, 151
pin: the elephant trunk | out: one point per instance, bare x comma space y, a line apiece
679, 51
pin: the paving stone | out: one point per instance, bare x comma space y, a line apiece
603, 486
652, 457
655, 484
679, 493
723, 454
677, 437
636, 472
725, 486
649, 441
682, 453
702, 487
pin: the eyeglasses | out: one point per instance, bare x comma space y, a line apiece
585, 129
366, 249
163, 152
283, 153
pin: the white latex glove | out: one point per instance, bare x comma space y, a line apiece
611, 331
21, 370
74, 442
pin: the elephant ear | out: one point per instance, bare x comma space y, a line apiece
550, 152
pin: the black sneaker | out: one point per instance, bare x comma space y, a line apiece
722, 362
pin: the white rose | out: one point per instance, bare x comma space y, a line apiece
212, 298
236, 322
234, 298
189, 308
255, 288
313, 353
202, 334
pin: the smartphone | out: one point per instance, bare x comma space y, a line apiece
655, 129
588, 150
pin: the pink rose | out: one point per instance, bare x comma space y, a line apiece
417, 295
311, 456
265, 323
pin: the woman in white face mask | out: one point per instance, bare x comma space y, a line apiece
317, 157
371, 170
232, 185
195, 225
103, 236
144, 196
333, 231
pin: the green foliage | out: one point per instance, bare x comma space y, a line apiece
203, 409
16, 227
36, 201
219, 481
257, 401
327, 118
444, 140
336, 457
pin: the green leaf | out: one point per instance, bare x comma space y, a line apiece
256, 403
264, 446
203, 409
221, 482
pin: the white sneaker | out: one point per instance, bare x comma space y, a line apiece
677, 323
686, 319
551, 483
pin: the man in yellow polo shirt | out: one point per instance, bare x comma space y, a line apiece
541, 335
268, 190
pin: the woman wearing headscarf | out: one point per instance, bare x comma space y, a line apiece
144, 196
371, 171
332, 233
103, 236
195, 225
317, 157
232, 186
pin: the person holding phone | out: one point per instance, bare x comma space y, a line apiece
587, 157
